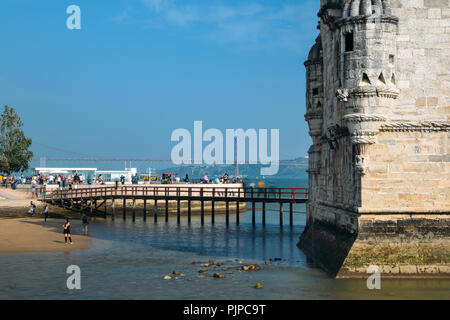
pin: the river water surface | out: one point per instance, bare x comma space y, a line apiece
128, 260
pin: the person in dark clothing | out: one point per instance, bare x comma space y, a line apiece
186, 179
85, 221
34, 209
66, 232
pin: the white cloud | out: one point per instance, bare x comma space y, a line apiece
156, 5
245, 24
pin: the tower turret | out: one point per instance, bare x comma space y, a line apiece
367, 33
314, 103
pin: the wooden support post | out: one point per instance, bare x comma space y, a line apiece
113, 209
227, 213
145, 209
189, 211
134, 209
178, 206
167, 210
156, 211
202, 212
291, 216
178, 211
227, 209
237, 206
264, 213
124, 210
212, 206
281, 214
202, 208
253, 213
237, 212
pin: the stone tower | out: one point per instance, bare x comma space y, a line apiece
378, 109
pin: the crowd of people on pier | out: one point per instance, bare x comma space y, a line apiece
225, 178
41, 179
74, 180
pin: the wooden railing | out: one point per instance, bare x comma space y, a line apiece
231, 193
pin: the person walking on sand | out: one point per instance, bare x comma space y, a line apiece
66, 232
85, 223
45, 213
32, 209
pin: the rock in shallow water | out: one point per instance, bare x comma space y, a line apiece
218, 275
250, 267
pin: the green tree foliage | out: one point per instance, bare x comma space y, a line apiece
14, 153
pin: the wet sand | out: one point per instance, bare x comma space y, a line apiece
35, 235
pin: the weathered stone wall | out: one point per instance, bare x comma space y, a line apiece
378, 107
422, 60
408, 172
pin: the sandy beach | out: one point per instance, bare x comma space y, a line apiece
35, 235
21, 233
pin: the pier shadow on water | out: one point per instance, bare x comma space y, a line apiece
215, 240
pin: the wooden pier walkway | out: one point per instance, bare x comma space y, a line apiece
93, 198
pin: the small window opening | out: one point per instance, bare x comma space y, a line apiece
316, 91
381, 78
391, 58
349, 42
364, 80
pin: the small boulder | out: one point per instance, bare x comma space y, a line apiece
218, 275
250, 267
167, 277
203, 270
258, 286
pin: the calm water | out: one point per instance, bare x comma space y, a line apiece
128, 261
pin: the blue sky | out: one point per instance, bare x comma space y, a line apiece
139, 69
